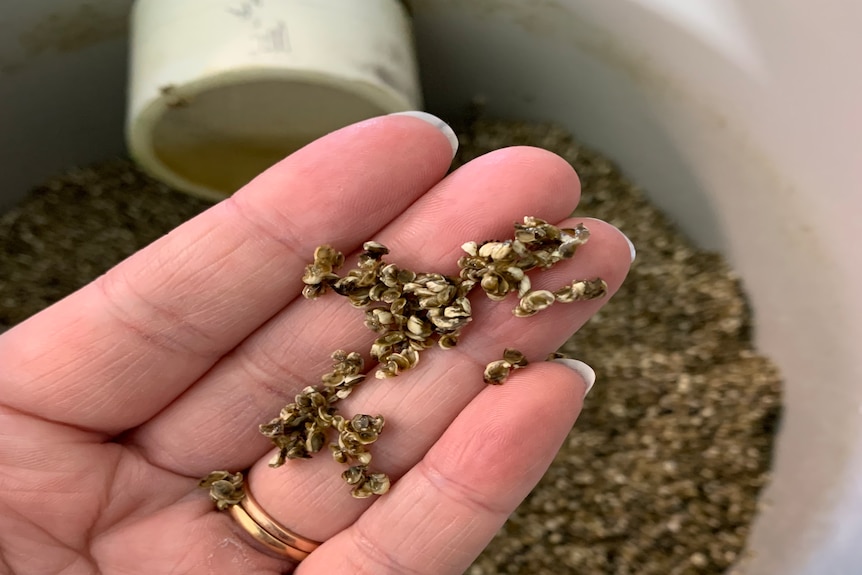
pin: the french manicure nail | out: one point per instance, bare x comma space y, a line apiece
444, 128
632, 249
581, 368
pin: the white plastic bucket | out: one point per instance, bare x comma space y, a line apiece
742, 119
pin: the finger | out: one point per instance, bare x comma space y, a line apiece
446, 509
117, 351
479, 201
186, 536
419, 405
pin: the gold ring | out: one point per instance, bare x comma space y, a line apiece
270, 525
268, 532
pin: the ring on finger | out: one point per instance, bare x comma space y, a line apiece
229, 493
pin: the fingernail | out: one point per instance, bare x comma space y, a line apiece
632, 249
582, 369
444, 128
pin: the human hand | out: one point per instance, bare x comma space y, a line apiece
117, 399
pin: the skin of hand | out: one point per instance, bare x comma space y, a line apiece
117, 399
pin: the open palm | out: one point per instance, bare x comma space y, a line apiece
116, 400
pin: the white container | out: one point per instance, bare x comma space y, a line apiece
741, 119
220, 90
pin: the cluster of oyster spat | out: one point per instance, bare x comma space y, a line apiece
411, 311
501, 267
302, 427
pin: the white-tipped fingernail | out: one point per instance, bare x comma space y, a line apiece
581, 368
632, 249
444, 128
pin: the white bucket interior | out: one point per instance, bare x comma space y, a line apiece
741, 119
